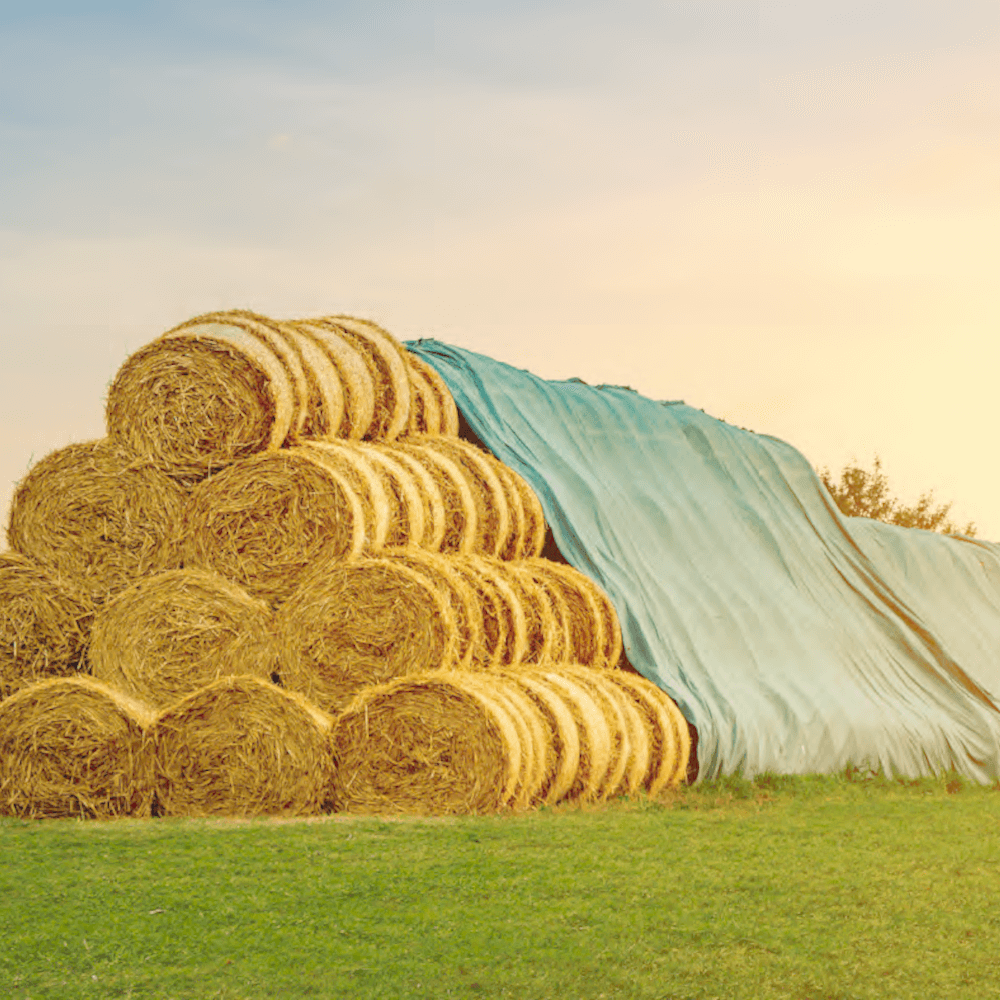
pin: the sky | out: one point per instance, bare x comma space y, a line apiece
785, 212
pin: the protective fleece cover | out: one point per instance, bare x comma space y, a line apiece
793, 638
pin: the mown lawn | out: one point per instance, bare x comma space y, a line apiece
795, 888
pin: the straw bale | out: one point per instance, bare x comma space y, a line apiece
408, 526
461, 517
425, 411
325, 408
681, 741
534, 535
611, 702
363, 623
432, 744
266, 521
584, 616
463, 600
386, 361
666, 768
596, 753
636, 739
612, 629
242, 746
212, 390
502, 604
488, 649
96, 516
356, 382
383, 508
74, 747
447, 410
431, 497
545, 631
562, 745
172, 633
44, 624
532, 732
492, 514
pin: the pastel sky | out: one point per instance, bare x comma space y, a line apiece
785, 213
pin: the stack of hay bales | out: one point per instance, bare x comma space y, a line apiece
290, 576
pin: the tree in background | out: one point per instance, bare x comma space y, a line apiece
863, 492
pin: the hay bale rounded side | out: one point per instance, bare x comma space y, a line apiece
74, 747
667, 760
241, 746
97, 517
562, 742
435, 515
447, 410
180, 630
265, 522
504, 617
545, 614
211, 391
461, 517
44, 624
425, 412
636, 740
361, 623
464, 602
426, 745
355, 379
325, 404
584, 616
493, 524
386, 361
596, 750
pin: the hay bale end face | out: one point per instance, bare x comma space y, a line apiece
97, 517
241, 747
44, 624
178, 631
74, 747
267, 521
430, 745
361, 623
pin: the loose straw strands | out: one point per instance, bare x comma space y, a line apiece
74, 747
266, 521
363, 623
241, 746
178, 631
97, 517
434, 744
44, 624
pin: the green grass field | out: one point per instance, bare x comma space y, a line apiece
800, 888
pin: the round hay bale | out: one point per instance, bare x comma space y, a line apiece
432, 744
211, 391
493, 614
425, 412
74, 747
681, 742
266, 521
636, 741
461, 517
620, 727
501, 603
562, 743
447, 410
180, 630
355, 379
408, 527
44, 624
666, 766
241, 746
545, 615
383, 508
534, 516
492, 514
363, 623
97, 517
612, 629
596, 752
584, 616
386, 361
431, 498
462, 599
325, 405
517, 540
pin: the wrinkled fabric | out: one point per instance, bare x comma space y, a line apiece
795, 639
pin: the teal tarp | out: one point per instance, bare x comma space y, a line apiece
794, 639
